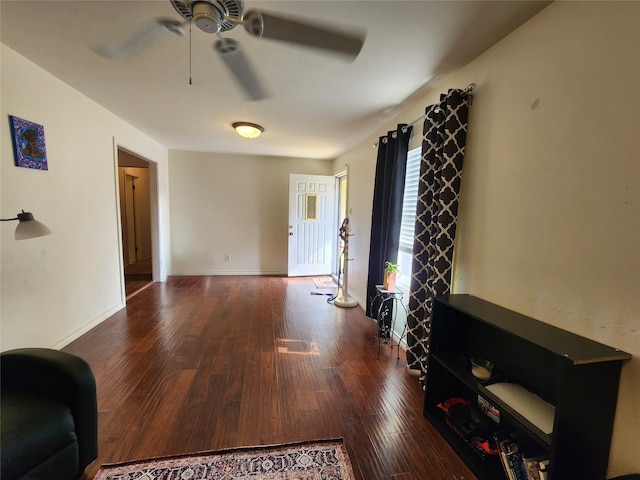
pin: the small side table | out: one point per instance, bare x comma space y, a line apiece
382, 327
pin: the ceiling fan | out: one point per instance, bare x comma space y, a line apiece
218, 16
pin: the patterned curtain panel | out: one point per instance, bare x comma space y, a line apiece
443, 144
386, 212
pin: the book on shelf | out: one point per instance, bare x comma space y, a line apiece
517, 461
544, 469
532, 466
505, 442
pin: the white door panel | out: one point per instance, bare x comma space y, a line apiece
311, 224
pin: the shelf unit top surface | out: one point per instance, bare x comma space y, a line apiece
573, 347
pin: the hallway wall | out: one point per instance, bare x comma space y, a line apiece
234, 205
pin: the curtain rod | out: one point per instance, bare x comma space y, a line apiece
469, 91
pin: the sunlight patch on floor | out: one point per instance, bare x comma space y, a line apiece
298, 347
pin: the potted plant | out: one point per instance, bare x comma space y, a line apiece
391, 271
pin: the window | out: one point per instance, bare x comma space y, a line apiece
410, 201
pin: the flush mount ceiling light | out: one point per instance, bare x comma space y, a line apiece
248, 130
28, 227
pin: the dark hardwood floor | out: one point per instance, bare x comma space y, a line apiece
140, 270
137, 276
205, 363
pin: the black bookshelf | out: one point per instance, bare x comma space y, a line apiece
576, 375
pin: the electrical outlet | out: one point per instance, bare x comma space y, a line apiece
227, 257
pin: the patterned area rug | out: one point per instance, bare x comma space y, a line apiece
324, 282
321, 459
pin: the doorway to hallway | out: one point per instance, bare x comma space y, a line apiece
135, 220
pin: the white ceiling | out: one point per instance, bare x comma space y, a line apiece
319, 106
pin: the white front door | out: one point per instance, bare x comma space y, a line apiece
312, 226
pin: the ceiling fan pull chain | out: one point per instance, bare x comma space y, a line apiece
190, 49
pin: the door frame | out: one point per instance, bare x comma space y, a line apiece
157, 273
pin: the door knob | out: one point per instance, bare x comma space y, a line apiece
291, 234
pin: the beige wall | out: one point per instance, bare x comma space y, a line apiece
234, 205
549, 220
55, 288
549, 208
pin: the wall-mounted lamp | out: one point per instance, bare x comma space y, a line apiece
28, 227
248, 130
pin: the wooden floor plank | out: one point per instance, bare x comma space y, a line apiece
207, 363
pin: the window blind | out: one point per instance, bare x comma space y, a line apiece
410, 200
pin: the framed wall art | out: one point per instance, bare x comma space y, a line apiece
29, 147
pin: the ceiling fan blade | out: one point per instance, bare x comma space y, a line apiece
232, 55
140, 39
302, 32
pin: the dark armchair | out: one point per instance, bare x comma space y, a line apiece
49, 424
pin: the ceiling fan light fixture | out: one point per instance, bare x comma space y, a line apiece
207, 17
248, 130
